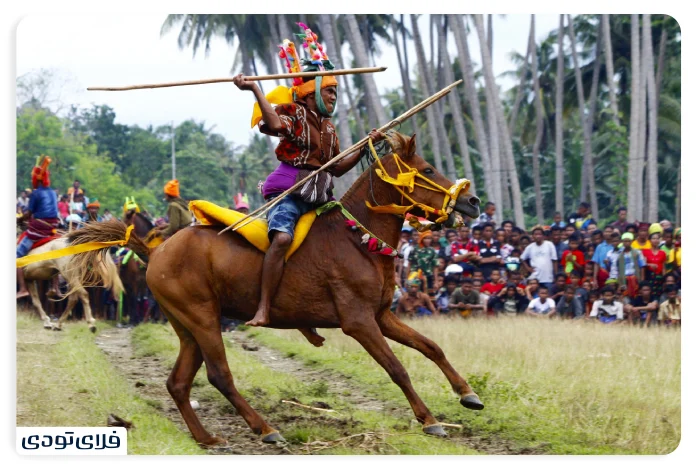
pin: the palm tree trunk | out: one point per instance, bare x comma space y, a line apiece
652, 177
633, 160
352, 108
677, 202
456, 108
595, 79
539, 110
560, 77
609, 59
442, 128
496, 108
457, 25
661, 61
490, 37
344, 135
587, 139
405, 81
642, 127
512, 122
377, 115
433, 123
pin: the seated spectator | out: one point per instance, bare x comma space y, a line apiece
64, 207
542, 306
493, 289
443, 296
581, 289
511, 302
415, 303
568, 305
670, 280
478, 275
670, 311
465, 299
642, 307
558, 287
532, 289
608, 309
602, 275
593, 296
476, 285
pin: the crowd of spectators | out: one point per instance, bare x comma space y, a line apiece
622, 272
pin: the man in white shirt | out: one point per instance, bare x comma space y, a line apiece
607, 310
540, 257
542, 306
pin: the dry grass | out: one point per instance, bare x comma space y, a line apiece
565, 386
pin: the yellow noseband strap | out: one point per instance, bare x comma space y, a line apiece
405, 181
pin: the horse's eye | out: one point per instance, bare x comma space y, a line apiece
428, 171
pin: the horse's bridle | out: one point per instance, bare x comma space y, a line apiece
404, 182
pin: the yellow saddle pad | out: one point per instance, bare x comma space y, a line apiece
256, 232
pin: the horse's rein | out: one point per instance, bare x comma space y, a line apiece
406, 178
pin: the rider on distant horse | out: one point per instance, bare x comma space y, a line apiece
177, 212
308, 140
43, 208
93, 211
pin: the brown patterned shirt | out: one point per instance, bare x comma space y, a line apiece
307, 140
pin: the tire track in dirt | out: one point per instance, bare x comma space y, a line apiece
148, 376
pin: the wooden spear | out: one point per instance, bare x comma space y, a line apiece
397, 121
347, 71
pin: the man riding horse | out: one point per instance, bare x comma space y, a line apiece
177, 212
308, 139
43, 210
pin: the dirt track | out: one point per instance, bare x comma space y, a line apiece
148, 377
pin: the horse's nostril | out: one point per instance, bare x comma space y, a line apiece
474, 201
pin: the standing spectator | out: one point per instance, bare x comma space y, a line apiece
525, 240
63, 207
666, 224
670, 310
507, 227
489, 251
446, 242
558, 221
643, 306
487, 215
608, 309
75, 189
465, 299
505, 248
540, 257
558, 243
542, 306
107, 215
424, 258
475, 238
514, 237
437, 235
464, 234
570, 229
77, 205
573, 259
596, 238
601, 251
602, 275
667, 246
405, 246
583, 217
655, 260
558, 288
642, 242
627, 265
568, 305
621, 223
23, 201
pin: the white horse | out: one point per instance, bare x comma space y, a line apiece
47, 269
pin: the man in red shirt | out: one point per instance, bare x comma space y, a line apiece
573, 259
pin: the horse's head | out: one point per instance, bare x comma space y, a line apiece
418, 186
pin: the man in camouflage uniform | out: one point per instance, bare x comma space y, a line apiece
424, 258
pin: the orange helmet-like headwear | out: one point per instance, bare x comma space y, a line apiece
40, 174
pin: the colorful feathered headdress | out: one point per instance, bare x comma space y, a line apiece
40, 174
318, 60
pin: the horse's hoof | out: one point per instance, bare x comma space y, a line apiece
212, 442
48, 326
435, 430
471, 402
93, 329
273, 438
57, 329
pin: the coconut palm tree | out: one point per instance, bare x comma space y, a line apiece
633, 176
609, 60
429, 111
539, 129
652, 187
560, 72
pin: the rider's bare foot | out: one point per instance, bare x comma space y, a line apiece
22, 293
312, 336
259, 320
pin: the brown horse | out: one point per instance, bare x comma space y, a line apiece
332, 281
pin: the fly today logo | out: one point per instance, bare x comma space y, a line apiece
72, 441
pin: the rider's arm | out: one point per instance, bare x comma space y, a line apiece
174, 222
268, 114
347, 163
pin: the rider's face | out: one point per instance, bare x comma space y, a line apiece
329, 95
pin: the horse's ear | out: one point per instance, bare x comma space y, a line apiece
411, 147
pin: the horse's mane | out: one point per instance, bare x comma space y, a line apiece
396, 142
150, 224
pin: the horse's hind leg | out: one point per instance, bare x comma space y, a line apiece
34, 293
396, 330
209, 338
84, 297
72, 300
179, 384
366, 331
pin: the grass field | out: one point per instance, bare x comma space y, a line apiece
548, 386
567, 387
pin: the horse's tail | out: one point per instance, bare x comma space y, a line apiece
93, 268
